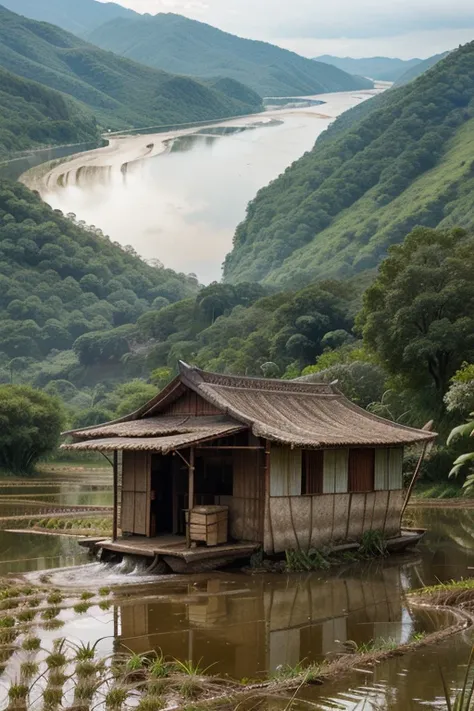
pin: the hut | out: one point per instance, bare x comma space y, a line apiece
216, 466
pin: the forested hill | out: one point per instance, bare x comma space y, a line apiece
419, 69
407, 159
77, 16
178, 44
120, 92
66, 289
32, 115
382, 68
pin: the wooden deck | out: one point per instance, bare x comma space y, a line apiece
174, 547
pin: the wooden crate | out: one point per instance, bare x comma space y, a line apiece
208, 524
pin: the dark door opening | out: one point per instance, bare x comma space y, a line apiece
161, 520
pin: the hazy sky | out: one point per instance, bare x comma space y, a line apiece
405, 28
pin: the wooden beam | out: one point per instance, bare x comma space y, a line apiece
115, 504
229, 447
426, 448
190, 496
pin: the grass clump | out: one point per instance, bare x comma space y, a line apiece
31, 644
50, 613
17, 692
54, 598
87, 595
115, 698
373, 545
150, 703
26, 616
28, 669
81, 608
51, 625
104, 591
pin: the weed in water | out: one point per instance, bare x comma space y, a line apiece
373, 545
26, 616
50, 613
31, 644
463, 699
104, 591
53, 625
418, 636
287, 671
85, 651
87, 595
116, 698
28, 669
54, 598
17, 692
189, 687
105, 605
34, 601
52, 696
7, 622
159, 668
57, 677
85, 669
190, 668
55, 660
81, 608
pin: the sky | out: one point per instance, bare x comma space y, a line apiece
357, 28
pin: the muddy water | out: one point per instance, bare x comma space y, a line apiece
182, 206
246, 626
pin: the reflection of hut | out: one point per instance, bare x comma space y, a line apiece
273, 622
296, 466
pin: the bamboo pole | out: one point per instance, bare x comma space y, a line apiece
428, 427
115, 504
190, 496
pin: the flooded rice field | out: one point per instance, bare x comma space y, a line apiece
242, 625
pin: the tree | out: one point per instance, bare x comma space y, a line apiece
30, 426
418, 316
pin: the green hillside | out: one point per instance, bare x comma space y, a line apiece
66, 291
382, 68
419, 69
402, 159
33, 116
120, 92
77, 16
177, 44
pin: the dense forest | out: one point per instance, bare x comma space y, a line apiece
381, 68
120, 92
178, 44
399, 160
69, 297
32, 115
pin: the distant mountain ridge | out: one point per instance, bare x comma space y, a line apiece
120, 92
381, 68
177, 44
401, 159
76, 16
419, 69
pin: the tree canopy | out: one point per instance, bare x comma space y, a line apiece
30, 426
418, 315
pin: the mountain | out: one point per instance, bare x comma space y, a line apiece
77, 16
32, 115
66, 290
120, 92
177, 44
419, 69
403, 158
381, 68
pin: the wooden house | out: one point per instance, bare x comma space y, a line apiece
293, 465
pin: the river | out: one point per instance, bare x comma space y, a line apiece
245, 626
178, 197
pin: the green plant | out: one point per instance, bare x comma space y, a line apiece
301, 561
54, 598
81, 608
50, 613
31, 644
150, 703
87, 595
115, 698
104, 591
373, 544
26, 616
28, 669
17, 691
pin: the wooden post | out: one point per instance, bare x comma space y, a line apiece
190, 496
115, 504
426, 447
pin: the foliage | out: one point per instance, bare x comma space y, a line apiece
178, 44
460, 396
32, 115
466, 459
394, 162
418, 314
120, 92
30, 425
69, 299
464, 698
417, 70
381, 68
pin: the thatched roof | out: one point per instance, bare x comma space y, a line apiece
300, 414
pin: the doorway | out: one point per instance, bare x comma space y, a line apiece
162, 495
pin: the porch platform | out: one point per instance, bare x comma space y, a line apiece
173, 551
